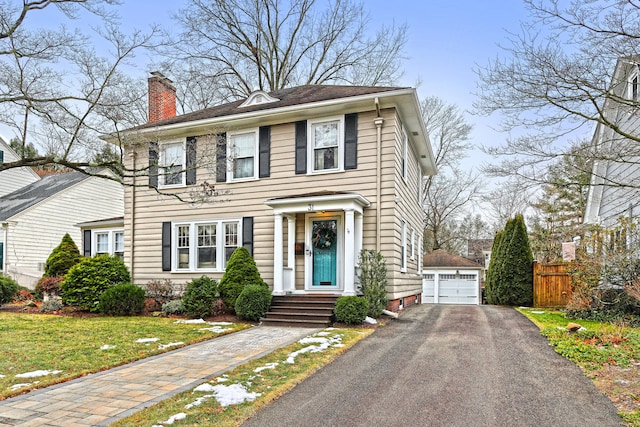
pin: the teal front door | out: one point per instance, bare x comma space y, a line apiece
324, 239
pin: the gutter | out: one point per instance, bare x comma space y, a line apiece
378, 121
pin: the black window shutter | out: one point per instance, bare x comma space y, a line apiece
86, 243
301, 147
247, 233
153, 164
191, 160
221, 157
166, 246
264, 151
351, 141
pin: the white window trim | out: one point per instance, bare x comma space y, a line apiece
161, 163
111, 239
634, 75
403, 248
413, 243
231, 156
311, 145
193, 239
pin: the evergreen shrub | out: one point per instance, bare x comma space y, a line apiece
62, 258
124, 299
351, 310
173, 307
87, 280
373, 281
8, 289
253, 302
201, 297
241, 271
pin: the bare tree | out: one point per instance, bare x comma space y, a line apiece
507, 199
555, 77
237, 46
57, 91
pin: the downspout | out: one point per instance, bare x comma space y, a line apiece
5, 228
378, 121
132, 226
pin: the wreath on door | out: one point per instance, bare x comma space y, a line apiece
324, 236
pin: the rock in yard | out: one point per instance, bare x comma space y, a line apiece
572, 327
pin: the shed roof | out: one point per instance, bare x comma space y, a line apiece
442, 258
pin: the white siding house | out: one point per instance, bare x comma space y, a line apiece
34, 218
15, 178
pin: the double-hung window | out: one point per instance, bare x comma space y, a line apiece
326, 145
403, 247
172, 161
204, 245
110, 242
243, 151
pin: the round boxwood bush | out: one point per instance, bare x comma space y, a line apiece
124, 299
351, 310
62, 258
173, 307
200, 298
241, 271
8, 289
87, 280
253, 302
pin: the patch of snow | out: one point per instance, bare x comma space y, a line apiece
323, 334
145, 340
107, 347
233, 394
191, 321
222, 379
220, 323
370, 320
214, 329
323, 344
171, 344
172, 419
34, 374
206, 387
1, 376
267, 366
198, 401
17, 386
537, 312
313, 340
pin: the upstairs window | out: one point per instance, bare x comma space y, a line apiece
172, 161
243, 153
634, 88
326, 145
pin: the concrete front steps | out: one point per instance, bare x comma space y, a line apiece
311, 311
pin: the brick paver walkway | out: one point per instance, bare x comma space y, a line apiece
102, 398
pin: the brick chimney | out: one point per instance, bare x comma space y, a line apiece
162, 97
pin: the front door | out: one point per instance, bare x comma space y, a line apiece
324, 253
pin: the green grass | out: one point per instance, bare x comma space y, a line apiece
607, 353
32, 342
269, 384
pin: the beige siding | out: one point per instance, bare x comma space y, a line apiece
34, 233
248, 199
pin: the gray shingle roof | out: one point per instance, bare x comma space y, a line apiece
16, 202
287, 97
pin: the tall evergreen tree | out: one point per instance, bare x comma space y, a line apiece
489, 286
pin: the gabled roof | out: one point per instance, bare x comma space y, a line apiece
16, 202
442, 258
283, 98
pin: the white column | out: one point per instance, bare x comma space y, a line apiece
358, 235
278, 286
349, 253
291, 250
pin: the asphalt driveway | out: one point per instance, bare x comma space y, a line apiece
446, 366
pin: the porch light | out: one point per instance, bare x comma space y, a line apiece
299, 248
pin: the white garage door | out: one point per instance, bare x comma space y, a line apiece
458, 289
428, 289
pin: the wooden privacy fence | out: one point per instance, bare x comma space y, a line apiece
551, 285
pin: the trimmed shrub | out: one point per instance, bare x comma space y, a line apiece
87, 280
373, 281
62, 258
241, 271
124, 299
351, 310
49, 286
200, 298
8, 289
253, 302
173, 307
52, 304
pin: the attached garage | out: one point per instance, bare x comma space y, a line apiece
450, 279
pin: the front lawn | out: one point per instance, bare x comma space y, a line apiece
40, 350
608, 353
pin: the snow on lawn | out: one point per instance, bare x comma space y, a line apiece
107, 347
17, 386
34, 374
267, 366
172, 419
171, 344
147, 340
319, 343
215, 327
1, 376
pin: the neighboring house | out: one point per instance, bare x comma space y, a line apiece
105, 236
14, 178
34, 218
479, 251
450, 279
310, 175
615, 183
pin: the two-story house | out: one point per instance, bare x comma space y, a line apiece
304, 177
